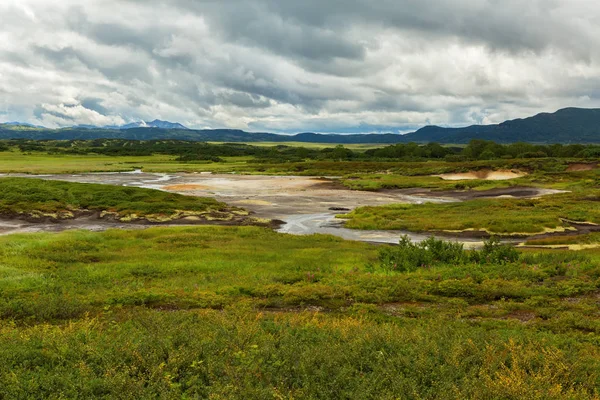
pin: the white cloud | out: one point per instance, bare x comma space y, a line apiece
295, 66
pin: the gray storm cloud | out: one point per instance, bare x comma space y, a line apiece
328, 65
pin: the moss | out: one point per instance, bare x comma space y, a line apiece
219, 217
241, 212
129, 218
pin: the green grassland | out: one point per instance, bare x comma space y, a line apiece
41, 163
230, 312
563, 180
309, 159
496, 216
592, 238
39, 198
360, 175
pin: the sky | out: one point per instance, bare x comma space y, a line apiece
340, 66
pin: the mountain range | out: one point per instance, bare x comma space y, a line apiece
141, 124
569, 125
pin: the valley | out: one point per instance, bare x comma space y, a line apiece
125, 268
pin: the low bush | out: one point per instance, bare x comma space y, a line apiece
495, 252
409, 256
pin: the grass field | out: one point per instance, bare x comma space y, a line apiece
499, 216
230, 313
40, 163
587, 239
570, 181
407, 175
365, 174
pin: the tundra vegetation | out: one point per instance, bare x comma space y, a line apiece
41, 199
554, 213
244, 312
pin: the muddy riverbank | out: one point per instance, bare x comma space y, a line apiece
98, 221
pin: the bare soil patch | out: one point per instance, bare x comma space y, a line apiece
185, 187
523, 316
489, 175
582, 167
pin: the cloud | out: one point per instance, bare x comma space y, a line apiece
71, 114
331, 66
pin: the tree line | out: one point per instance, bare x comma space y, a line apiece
208, 152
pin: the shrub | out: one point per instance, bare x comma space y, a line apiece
409, 256
495, 252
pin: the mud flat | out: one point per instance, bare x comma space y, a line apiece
303, 205
270, 197
516, 192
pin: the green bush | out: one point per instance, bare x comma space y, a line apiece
409, 256
495, 252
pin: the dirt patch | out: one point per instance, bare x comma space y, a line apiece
253, 202
235, 185
488, 175
582, 167
521, 315
185, 187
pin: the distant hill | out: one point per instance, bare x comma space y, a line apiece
23, 124
569, 125
205, 135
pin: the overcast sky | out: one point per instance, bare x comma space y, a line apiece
292, 66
